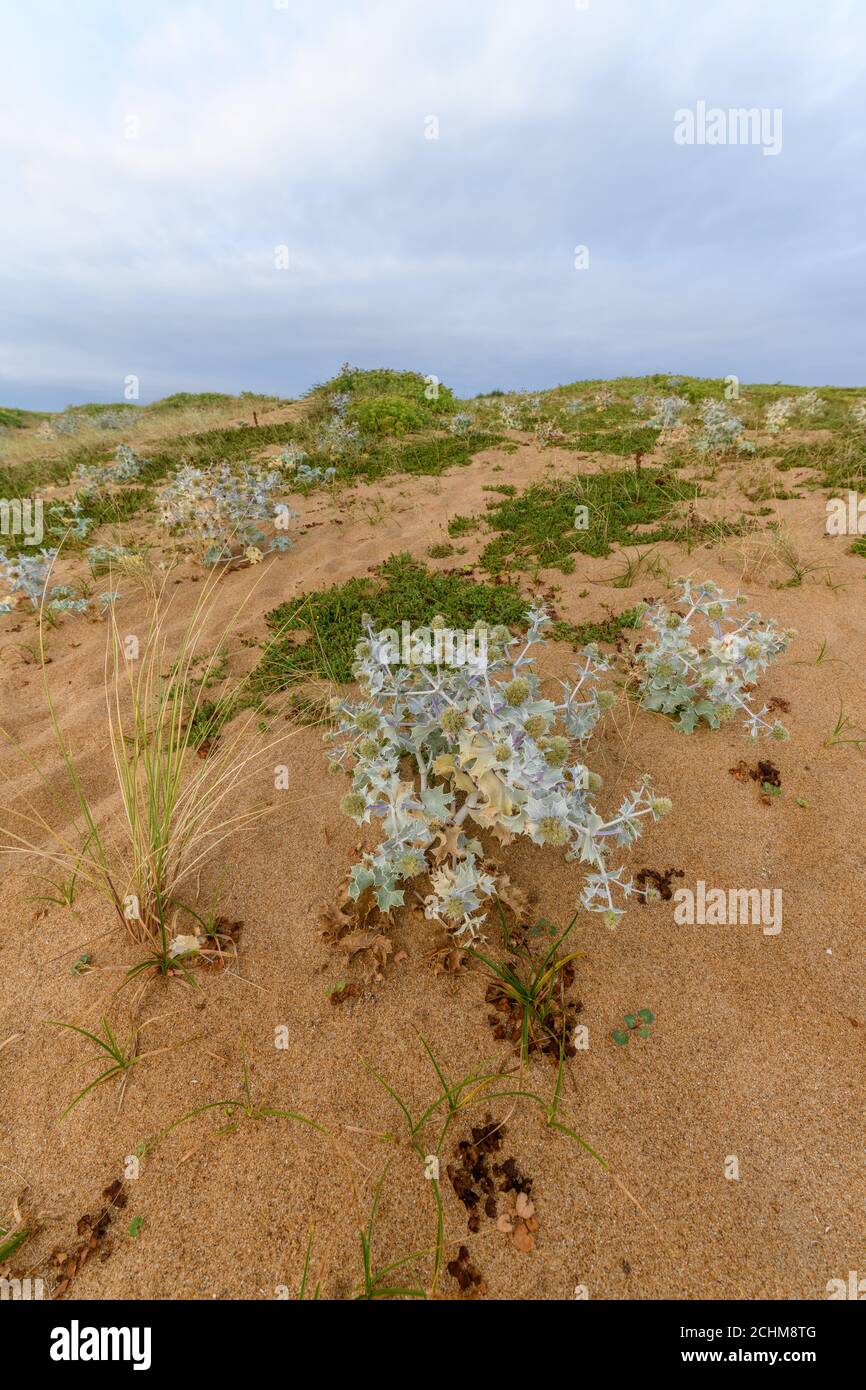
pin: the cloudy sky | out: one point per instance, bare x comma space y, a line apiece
162, 160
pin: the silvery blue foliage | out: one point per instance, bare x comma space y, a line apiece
308, 473
858, 413
779, 413
547, 432
666, 413
62, 599
28, 574
70, 518
338, 437
461, 423
810, 404
510, 417
485, 752
105, 554
112, 419
127, 465
720, 429
709, 679
339, 401
294, 459
223, 508
65, 424
291, 455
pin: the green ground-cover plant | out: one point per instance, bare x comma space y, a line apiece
401, 590
538, 528
426, 455
388, 415
11, 418
362, 384
637, 1024
579, 634
622, 441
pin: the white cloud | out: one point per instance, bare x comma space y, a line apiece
305, 126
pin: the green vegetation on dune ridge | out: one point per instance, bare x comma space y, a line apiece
401, 590
537, 529
195, 400
13, 419
429, 455
366, 384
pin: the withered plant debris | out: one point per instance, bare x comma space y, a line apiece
479, 1183
447, 959
93, 1229
658, 879
766, 774
349, 924
468, 1275
344, 992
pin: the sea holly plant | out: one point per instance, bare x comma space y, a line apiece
460, 423
293, 460
70, 519
437, 750
709, 677
223, 510
127, 465
778, 413
29, 575
720, 430
666, 415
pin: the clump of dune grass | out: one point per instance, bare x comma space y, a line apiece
177, 808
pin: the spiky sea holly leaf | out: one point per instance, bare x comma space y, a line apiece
360, 878
438, 802
388, 898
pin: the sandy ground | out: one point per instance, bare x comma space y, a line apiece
756, 1053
